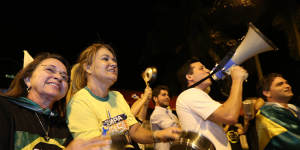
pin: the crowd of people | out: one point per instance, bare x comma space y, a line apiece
51, 105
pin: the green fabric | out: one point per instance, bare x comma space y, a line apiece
21, 129
26, 139
282, 116
288, 140
29, 104
97, 97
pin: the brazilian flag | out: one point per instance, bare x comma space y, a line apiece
277, 128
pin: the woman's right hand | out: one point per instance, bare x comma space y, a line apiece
147, 93
166, 135
96, 143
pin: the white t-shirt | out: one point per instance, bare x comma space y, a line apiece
193, 107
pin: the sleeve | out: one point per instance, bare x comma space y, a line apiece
81, 121
201, 103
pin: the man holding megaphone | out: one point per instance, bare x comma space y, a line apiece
198, 112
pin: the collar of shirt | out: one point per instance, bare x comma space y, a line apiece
291, 106
161, 108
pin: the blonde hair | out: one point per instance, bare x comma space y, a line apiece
73, 83
78, 73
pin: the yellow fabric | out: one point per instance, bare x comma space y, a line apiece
86, 115
266, 130
42, 140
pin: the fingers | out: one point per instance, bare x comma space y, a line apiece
238, 69
147, 89
98, 141
142, 95
176, 132
94, 143
238, 72
148, 92
170, 134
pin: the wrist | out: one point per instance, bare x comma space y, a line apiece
154, 137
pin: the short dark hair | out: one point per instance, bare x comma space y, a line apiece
266, 83
184, 70
157, 89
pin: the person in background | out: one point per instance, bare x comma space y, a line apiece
139, 110
162, 117
32, 111
278, 121
242, 135
198, 112
95, 110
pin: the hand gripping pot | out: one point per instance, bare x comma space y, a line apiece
189, 140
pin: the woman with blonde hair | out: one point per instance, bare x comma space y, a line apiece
93, 109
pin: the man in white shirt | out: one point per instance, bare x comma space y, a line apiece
198, 112
162, 117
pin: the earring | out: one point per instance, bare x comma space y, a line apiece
28, 88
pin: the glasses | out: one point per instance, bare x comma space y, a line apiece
52, 70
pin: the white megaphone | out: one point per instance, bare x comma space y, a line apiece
254, 43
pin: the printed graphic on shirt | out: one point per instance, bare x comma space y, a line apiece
115, 125
233, 136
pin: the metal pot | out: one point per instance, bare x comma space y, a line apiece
189, 140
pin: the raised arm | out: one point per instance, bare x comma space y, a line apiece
139, 107
229, 111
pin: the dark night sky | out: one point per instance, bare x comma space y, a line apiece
143, 34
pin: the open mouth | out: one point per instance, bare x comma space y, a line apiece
112, 70
287, 90
56, 85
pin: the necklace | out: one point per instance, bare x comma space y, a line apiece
46, 137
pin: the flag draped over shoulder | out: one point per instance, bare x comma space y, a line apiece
277, 128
